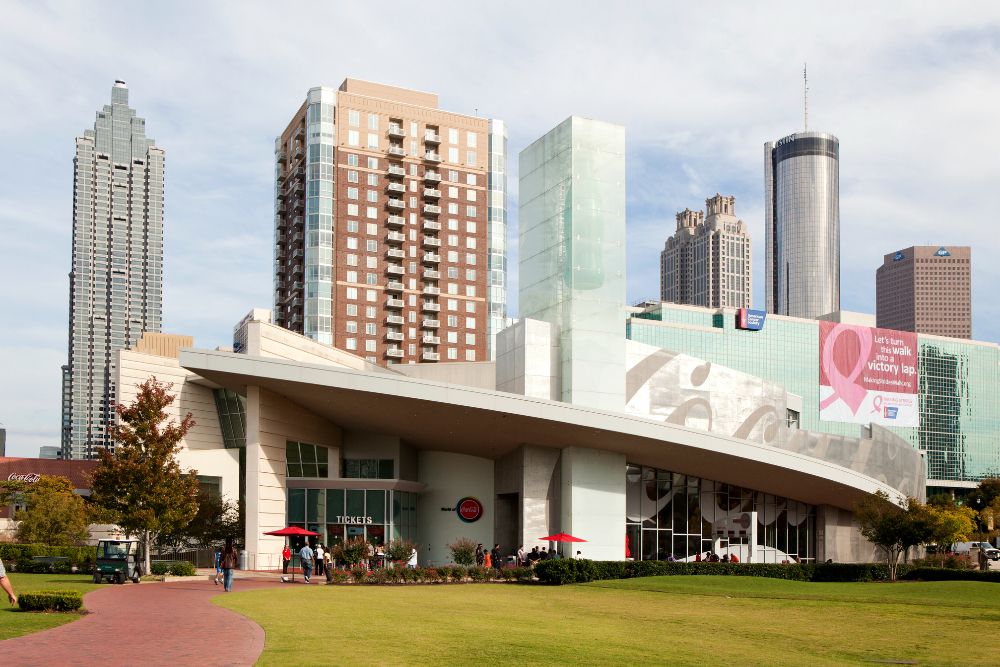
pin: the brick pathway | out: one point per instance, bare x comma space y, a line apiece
146, 624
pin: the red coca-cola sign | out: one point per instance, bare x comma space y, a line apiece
469, 509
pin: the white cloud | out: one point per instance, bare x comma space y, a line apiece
911, 95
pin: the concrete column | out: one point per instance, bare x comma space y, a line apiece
593, 502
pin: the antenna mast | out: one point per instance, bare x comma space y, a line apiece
805, 95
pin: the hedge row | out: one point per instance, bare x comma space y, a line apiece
18, 557
566, 571
949, 574
50, 600
429, 575
177, 568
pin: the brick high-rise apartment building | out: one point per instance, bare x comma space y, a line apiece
926, 289
707, 260
390, 225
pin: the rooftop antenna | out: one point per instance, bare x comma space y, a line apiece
805, 95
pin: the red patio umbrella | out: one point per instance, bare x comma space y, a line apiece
561, 537
292, 531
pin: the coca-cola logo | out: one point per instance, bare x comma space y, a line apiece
469, 509
26, 477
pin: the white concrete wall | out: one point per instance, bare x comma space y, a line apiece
593, 502
272, 420
448, 478
480, 374
528, 360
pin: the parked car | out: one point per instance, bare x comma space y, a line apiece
965, 547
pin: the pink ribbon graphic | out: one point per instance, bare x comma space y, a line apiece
877, 405
845, 387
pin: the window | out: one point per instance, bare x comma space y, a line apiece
453, 176
371, 212
470, 290
453, 224
352, 159
352, 293
453, 272
352, 343
305, 460
353, 138
352, 226
470, 227
453, 192
370, 311
372, 262
452, 304
470, 139
373, 179
452, 256
373, 196
369, 346
453, 240
369, 468
452, 353
352, 209
452, 208
470, 257
470, 179
351, 326
352, 309
371, 279
373, 163
370, 328
354, 118
453, 320
371, 295
371, 229
470, 157
373, 140
452, 135
352, 176
373, 123
470, 355
470, 211
452, 154
352, 193
371, 245
452, 288
470, 274
470, 195
470, 306
452, 336
352, 276
352, 243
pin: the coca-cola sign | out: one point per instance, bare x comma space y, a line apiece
26, 477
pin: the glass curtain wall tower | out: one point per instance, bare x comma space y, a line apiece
802, 223
497, 222
116, 279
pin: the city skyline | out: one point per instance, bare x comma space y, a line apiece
894, 191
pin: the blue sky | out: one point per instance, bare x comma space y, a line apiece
910, 90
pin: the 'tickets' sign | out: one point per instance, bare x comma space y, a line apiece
867, 375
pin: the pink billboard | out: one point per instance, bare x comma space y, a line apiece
867, 375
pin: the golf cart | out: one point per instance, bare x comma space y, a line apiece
117, 560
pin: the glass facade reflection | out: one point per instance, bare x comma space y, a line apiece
376, 515
670, 516
958, 380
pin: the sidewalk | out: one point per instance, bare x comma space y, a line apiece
171, 623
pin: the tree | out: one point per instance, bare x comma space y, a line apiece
463, 551
141, 483
949, 524
55, 515
216, 520
983, 498
891, 527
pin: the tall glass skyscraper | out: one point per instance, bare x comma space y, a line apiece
572, 245
802, 224
116, 279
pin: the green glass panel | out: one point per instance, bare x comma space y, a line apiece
375, 506
334, 503
355, 502
296, 506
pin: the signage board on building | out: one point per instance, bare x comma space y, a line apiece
867, 375
751, 320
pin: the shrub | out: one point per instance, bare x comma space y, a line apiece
399, 550
479, 573
463, 551
523, 574
182, 568
50, 601
351, 552
951, 574
431, 575
160, 567
339, 576
358, 574
381, 576
458, 572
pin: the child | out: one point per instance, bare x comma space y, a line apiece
218, 567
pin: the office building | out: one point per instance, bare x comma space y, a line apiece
116, 278
926, 289
802, 224
386, 207
707, 261
956, 397
48, 452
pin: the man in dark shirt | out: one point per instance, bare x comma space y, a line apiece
496, 557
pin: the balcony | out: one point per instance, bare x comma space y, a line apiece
432, 193
432, 226
432, 177
279, 238
280, 208
396, 151
281, 157
396, 170
429, 307
432, 258
430, 289
297, 221
298, 254
297, 286
298, 152
395, 253
395, 269
296, 302
430, 356
395, 237
430, 324
431, 242
394, 352
396, 203
297, 270
395, 319
394, 286
395, 221
297, 236
392, 302
432, 209
432, 274
431, 137
430, 340
394, 335
396, 131
395, 187
431, 156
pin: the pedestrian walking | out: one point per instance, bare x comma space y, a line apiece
218, 566
520, 556
320, 563
286, 558
496, 557
230, 559
306, 558
5, 584
479, 555
487, 560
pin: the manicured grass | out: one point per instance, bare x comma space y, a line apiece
691, 620
14, 623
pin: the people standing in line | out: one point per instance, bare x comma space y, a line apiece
496, 557
218, 566
697, 557
579, 554
412, 563
733, 559
230, 559
479, 555
306, 558
286, 558
487, 559
521, 562
319, 560
6, 585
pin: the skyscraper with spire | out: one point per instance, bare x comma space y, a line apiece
116, 278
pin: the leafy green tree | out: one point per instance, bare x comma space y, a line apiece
141, 483
983, 498
216, 520
892, 527
350, 552
463, 551
947, 525
941, 500
55, 515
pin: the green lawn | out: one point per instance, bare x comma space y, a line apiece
689, 620
14, 623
